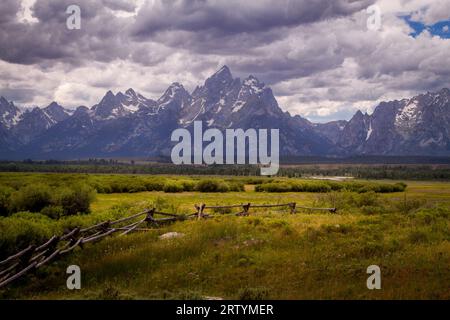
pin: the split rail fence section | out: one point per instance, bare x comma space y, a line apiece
34, 257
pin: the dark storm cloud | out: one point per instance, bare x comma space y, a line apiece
213, 27
318, 56
231, 26
49, 39
18, 95
120, 5
232, 16
8, 10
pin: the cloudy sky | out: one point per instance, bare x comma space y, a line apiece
324, 59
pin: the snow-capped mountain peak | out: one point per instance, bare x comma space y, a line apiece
175, 95
253, 85
128, 124
115, 106
9, 113
408, 114
223, 74
56, 112
416, 126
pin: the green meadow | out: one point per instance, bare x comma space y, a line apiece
401, 226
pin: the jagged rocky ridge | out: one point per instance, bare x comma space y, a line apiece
131, 125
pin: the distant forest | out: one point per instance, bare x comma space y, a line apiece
433, 169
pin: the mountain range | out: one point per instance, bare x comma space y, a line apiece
131, 125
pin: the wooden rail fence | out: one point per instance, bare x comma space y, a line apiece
33, 257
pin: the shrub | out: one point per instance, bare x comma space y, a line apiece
328, 186
418, 236
366, 199
102, 188
162, 204
5, 194
21, 229
33, 198
54, 212
236, 186
310, 187
407, 205
382, 187
135, 186
429, 215
273, 187
173, 187
188, 185
210, 185
76, 199
255, 181
155, 185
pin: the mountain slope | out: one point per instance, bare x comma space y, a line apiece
129, 124
224, 102
132, 125
416, 126
9, 113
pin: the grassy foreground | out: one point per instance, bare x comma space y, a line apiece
270, 255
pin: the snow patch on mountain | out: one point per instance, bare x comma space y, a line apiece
237, 106
253, 84
369, 132
408, 115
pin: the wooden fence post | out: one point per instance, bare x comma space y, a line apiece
245, 207
149, 218
200, 210
292, 205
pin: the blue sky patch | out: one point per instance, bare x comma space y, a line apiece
440, 29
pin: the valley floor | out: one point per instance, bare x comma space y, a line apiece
269, 255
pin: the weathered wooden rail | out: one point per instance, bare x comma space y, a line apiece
34, 257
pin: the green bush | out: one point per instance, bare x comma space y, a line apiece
383, 188
76, 199
20, 230
5, 194
418, 236
310, 187
273, 187
328, 186
254, 181
33, 198
173, 187
54, 212
236, 186
155, 185
366, 199
212, 185
188, 185
407, 205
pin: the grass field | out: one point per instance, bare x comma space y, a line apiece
268, 255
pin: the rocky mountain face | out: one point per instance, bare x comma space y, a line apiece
224, 102
131, 125
9, 113
331, 130
416, 126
